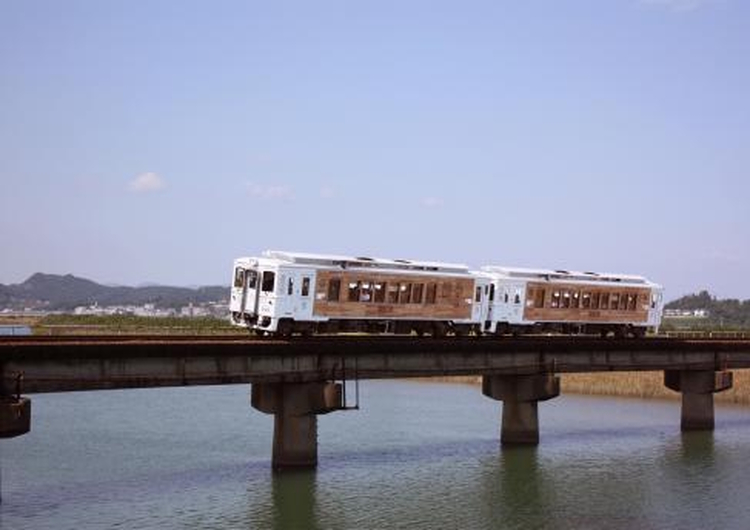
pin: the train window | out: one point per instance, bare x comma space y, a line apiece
405, 294
586, 300
623, 302
478, 294
530, 297
431, 293
354, 288
605, 301
565, 299
239, 277
416, 293
555, 302
632, 300
334, 289
379, 296
305, 286
492, 292
575, 301
365, 292
595, 301
539, 298
614, 301
653, 301
393, 289
517, 296
269, 281
290, 286
252, 279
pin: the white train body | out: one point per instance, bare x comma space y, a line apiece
284, 292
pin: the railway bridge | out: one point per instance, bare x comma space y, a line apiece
295, 380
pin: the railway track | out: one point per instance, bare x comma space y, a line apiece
363, 339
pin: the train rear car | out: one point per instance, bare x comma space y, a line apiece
538, 300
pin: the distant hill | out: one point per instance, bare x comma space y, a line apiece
728, 313
55, 292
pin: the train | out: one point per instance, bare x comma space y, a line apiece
282, 293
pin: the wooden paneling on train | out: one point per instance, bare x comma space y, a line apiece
283, 293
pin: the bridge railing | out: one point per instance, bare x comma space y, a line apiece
705, 334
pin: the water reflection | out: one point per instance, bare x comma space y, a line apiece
293, 501
697, 447
513, 489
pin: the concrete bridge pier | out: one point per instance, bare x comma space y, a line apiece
698, 388
520, 395
295, 407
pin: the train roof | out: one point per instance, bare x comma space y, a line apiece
334, 260
566, 275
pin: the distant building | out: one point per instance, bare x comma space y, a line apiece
686, 313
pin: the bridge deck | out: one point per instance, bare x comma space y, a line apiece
67, 363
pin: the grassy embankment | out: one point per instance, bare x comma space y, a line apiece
128, 324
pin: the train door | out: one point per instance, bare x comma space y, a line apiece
287, 293
655, 309
516, 302
243, 302
480, 308
249, 302
304, 295
266, 296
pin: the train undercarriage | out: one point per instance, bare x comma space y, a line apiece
287, 327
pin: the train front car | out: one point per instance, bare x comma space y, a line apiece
271, 293
282, 293
540, 300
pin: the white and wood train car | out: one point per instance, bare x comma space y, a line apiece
283, 293
538, 300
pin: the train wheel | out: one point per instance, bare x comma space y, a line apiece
460, 330
285, 328
439, 329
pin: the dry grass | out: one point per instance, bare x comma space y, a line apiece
647, 385
630, 384
19, 320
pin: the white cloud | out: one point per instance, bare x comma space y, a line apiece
146, 182
724, 256
269, 191
678, 5
327, 192
432, 202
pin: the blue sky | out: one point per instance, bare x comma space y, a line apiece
156, 141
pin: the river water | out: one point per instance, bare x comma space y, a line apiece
417, 455
14, 330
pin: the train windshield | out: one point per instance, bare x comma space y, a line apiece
245, 278
239, 277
